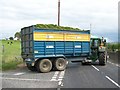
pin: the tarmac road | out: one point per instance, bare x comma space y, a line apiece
75, 76
91, 76
23, 78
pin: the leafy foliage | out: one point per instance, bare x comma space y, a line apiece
113, 46
11, 38
18, 35
55, 27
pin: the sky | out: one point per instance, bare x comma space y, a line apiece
101, 14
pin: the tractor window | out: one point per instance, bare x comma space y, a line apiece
96, 43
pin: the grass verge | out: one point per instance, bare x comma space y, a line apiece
9, 66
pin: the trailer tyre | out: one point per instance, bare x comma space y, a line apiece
32, 68
44, 65
60, 64
102, 59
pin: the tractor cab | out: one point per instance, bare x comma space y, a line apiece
97, 42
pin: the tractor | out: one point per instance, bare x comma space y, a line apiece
98, 51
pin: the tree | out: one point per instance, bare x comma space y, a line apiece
17, 35
11, 38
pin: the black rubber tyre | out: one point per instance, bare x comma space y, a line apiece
44, 65
32, 68
102, 58
60, 64
83, 63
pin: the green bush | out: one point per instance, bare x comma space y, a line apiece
113, 46
9, 65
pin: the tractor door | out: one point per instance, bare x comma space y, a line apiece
95, 43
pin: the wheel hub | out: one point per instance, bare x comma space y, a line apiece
44, 65
60, 64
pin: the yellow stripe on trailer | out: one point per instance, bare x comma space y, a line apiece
52, 36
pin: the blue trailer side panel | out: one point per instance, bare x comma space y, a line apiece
54, 48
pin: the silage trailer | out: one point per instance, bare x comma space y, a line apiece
47, 49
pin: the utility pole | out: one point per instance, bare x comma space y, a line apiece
90, 26
58, 12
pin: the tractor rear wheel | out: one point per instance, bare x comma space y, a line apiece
102, 58
60, 64
44, 65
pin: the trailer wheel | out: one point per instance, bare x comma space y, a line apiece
44, 65
32, 68
60, 64
102, 58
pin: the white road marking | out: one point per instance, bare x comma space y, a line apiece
54, 78
62, 74
107, 76
113, 81
16, 74
56, 73
21, 79
117, 65
108, 61
113, 64
95, 68
60, 82
60, 79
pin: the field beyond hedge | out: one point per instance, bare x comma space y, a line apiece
11, 54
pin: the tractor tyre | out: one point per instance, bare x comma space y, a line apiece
102, 58
44, 65
83, 63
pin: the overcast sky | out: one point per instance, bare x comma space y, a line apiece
102, 14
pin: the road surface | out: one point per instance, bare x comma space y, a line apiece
75, 76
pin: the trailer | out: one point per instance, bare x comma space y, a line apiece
47, 49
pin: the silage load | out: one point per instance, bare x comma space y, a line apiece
55, 27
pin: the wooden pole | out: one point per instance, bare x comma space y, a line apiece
58, 12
